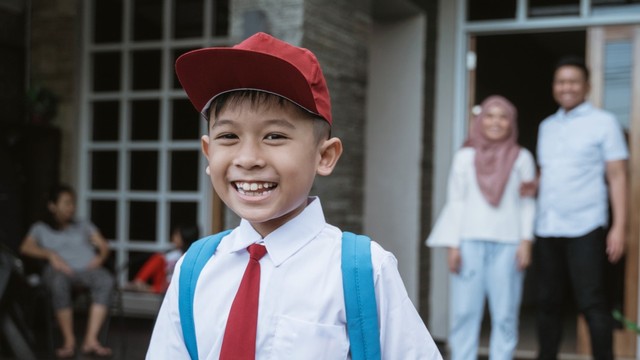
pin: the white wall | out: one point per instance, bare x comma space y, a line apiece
446, 139
394, 142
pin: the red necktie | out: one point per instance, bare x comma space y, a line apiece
239, 342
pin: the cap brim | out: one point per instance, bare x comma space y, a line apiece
207, 73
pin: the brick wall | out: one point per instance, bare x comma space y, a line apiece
55, 34
337, 31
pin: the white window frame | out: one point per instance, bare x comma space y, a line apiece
121, 245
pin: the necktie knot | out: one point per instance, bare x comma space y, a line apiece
256, 251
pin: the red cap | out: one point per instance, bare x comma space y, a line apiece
260, 62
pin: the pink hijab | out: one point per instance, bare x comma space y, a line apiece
494, 159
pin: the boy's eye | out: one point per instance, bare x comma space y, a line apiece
226, 136
275, 136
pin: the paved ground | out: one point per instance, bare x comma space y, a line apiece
128, 337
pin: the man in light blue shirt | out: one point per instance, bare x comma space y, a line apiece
582, 155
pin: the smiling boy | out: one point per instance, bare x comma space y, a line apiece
263, 154
269, 120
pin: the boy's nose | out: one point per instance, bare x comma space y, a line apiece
249, 156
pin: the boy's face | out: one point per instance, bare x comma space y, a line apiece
263, 160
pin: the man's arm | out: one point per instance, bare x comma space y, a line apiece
617, 179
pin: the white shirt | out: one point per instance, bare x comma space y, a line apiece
467, 215
301, 311
573, 149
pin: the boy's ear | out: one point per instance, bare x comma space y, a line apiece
330, 151
204, 143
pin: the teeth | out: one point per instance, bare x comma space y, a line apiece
246, 186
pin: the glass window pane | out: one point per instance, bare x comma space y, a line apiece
103, 215
146, 69
147, 20
107, 21
104, 170
188, 18
184, 170
491, 10
220, 17
182, 212
142, 221
185, 121
144, 170
614, 2
106, 120
612, 7
106, 71
145, 120
543, 8
176, 55
618, 63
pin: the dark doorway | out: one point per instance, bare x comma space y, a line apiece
520, 68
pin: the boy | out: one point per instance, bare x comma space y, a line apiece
269, 121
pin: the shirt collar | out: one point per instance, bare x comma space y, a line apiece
581, 109
286, 240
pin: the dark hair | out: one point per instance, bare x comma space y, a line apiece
53, 196
321, 128
573, 60
59, 189
189, 234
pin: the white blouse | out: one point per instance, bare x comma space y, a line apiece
467, 215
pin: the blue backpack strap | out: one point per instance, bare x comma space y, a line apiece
360, 297
194, 260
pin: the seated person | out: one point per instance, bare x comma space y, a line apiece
75, 252
155, 274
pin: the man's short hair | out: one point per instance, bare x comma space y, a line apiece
576, 61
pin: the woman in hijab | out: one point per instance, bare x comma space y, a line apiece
487, 226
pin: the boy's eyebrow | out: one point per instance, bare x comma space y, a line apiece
280, 122
275, 122
221, 122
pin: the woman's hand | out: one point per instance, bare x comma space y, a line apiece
455, 260
523, 254
58, 264
96, 262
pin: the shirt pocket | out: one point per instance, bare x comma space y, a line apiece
298, 339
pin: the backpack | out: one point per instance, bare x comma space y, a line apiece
357, 279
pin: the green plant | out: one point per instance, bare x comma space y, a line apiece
628, 324
42, 104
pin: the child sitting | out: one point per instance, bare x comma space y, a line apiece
155, 275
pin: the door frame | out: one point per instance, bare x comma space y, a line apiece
625, 341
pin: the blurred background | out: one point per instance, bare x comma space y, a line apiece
88, 97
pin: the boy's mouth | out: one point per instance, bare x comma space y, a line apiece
254, 188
